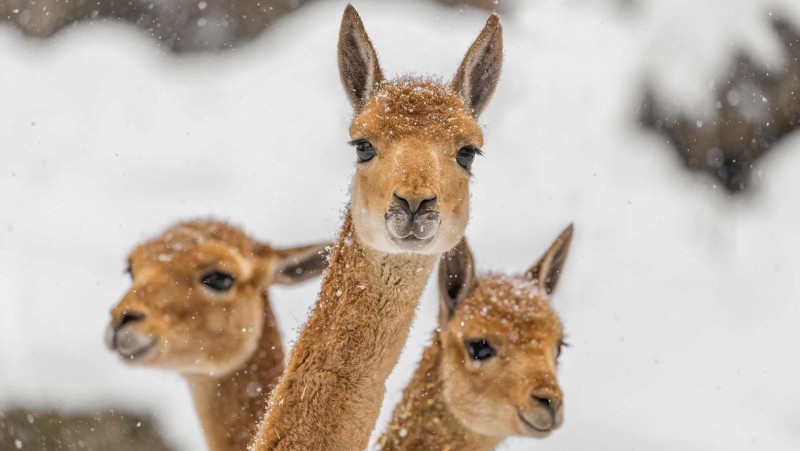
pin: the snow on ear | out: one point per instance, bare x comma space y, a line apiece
358, 62
294, 265
479, 72
456, 277
548, 270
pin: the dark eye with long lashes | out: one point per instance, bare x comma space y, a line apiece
129, 271
218, 281
364, 150
466, 155
480, 349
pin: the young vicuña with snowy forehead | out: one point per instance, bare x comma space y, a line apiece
490, 371
415, 141
199, 306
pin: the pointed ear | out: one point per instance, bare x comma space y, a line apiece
479, 72
548, 270
456, 277
294, 265
358, 62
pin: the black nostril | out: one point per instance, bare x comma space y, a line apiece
415, 205
427, 204
545, 402
402, 203
129, 317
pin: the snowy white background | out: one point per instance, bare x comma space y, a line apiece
681, 304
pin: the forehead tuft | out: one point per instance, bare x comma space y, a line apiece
515, 304
419, 108
185, 239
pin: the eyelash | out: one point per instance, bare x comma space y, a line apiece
562, 344
365, 151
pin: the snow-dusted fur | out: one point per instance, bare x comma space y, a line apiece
225, 344
331, 393
455, 402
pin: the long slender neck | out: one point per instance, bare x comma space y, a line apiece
422, 421
230, 406
331, 394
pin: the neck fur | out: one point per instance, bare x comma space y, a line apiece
422, 420
230, 406
331, 394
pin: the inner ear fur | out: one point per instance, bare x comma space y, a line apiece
548, 270
479, 72
297, 264
456, 277
358, 62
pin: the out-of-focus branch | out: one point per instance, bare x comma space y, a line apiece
755, 108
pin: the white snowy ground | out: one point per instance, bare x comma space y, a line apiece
681, 304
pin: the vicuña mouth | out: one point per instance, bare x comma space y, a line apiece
411, 242
138, 354
530, 425
412, 230
412, 233
129, 352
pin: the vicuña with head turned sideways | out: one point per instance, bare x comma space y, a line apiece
198, 305
490, 370
409, 202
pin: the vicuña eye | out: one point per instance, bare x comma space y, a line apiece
364, 150
480, 349
218, 281
466, 155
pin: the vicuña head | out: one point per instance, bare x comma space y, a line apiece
501, 341
198, 300
415, 141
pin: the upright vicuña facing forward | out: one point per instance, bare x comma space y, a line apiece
415, 141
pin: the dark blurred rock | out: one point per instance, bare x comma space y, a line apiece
211, 24
489, 5
182, 25
104, 431
756, 107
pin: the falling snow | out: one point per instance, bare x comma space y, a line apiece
670, 287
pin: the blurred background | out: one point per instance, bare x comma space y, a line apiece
664, 129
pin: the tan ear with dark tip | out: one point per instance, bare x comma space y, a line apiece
477, 77
548, 270
456, 277
297, 264
358, 62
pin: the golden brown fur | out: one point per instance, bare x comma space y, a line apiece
226, 344
455, 402
334, 384
331, 392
